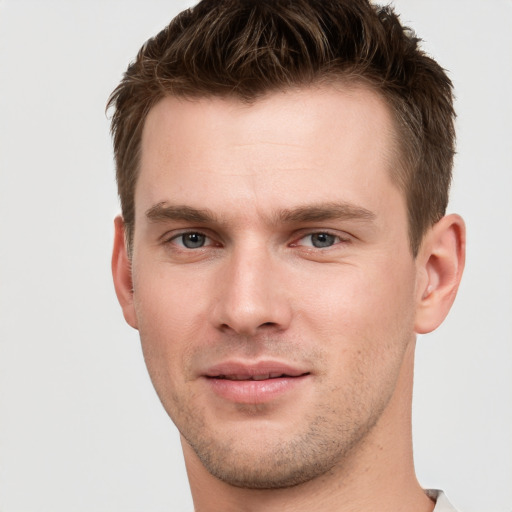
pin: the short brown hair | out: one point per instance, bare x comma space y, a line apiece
246, 48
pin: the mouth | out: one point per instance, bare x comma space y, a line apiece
254, 383
262, 376
263, 370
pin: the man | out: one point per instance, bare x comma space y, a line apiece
283, 169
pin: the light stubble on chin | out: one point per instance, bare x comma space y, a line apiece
278, 462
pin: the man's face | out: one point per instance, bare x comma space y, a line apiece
274, 287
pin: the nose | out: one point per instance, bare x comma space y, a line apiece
253, 293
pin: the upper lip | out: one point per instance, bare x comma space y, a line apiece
236, 370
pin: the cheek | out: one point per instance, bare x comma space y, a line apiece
363, 320
171, 316
357, 307
167, 300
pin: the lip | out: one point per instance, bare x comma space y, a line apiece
254, 382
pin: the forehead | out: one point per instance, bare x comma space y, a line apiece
322, 142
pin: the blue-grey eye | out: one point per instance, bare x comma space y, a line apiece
193, 240
320, 240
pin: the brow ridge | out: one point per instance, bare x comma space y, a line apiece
316, 212
163, 211
325, 211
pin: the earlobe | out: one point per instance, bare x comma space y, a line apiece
122, 273
441, 263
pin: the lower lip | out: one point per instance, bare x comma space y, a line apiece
254, 391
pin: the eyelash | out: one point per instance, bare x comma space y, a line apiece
338, 240
185, 233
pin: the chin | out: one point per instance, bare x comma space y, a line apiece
272, 460
276, 470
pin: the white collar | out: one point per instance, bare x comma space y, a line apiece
442, 503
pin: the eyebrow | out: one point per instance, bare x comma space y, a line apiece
316, 212
325, 211
162, 212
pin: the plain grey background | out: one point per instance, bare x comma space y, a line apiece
81, 428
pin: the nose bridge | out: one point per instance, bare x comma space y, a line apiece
251, 297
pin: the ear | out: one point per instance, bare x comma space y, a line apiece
122, 273
440, 264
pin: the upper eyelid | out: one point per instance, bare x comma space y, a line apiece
172, 240
343, 235
295, 237
171, 235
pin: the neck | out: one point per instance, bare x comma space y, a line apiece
377, 475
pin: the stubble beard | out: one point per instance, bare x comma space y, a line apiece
279, 462
324, 443
267, 456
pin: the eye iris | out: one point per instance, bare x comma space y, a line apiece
193, 240
322, 240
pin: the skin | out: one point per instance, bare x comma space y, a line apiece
297, 253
